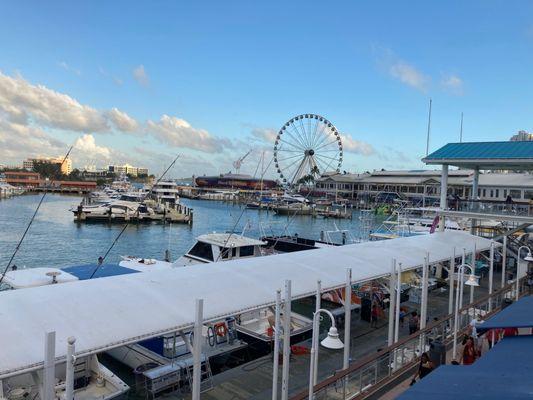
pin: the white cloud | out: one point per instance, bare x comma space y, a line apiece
122, 121
409, 75
177, 132
86, 144
265, 134
452, 84
141, 76
352, 145
20, 100
69, 68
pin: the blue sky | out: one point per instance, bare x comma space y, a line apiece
224, 73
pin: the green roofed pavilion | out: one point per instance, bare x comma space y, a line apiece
516, 155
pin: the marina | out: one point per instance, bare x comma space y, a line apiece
266, 201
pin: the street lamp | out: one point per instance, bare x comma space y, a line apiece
471, 281
331, 341
528, 258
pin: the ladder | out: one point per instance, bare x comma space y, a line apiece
206, 377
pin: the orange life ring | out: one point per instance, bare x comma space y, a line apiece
220, 329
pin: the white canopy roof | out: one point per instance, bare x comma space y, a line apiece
109, 312
30, 277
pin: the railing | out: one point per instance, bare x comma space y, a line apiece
492, 207
374, 371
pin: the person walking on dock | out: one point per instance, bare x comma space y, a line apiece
414, 322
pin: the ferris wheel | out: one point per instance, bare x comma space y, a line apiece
307, 146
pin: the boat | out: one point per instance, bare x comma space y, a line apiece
235, 181
254, 205
298, 208
165, 192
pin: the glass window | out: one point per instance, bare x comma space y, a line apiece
504, 192
491, 193
202, 250
528, 194
515, 194
246, 251
224, 253
497, 193
484, 192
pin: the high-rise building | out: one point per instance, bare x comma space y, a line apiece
522, 136
128, 169
66, 164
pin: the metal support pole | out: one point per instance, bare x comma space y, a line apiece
49, 366
424, 297
347, 318
392, 302
443, 195
451, 282
398, 301
275, 368
456, 317
286, 341
314, 352
474, 255
504, 259
460, 281
69, 376
315, 339
197, 350
491, 273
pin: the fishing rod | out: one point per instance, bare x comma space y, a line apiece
102, 259
31, 220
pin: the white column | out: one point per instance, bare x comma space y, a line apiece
491, 273
424, 297
504, 259
69, 376
49, 373
475, 183
315, 340
398, 301
474, 256
314, 352
451, 282
286, 341
443, 194
197, 350
392, 302
456, 317
347, 317
277, 329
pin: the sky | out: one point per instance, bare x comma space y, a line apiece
145, 81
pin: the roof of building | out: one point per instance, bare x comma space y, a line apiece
110, 312
504, 372
517, 315
485, 155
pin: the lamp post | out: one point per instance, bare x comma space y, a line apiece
527, 258
331, 341
472, 281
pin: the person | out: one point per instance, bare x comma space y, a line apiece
424, 368
473, 327
374, 314
402, 315
469, 352
414, 322
493, 336
510, 332
100, 260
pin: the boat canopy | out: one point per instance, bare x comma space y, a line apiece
106, 313
32, 277
228, 240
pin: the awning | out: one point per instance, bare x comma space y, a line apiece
505, 372
110, 312
517, 315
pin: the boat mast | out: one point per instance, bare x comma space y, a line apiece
429, 128
461, 132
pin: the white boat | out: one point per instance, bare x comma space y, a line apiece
115, 209
166, 192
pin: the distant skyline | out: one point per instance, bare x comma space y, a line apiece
140, 82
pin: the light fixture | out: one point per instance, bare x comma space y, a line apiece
472, 280
332, 341
529, 257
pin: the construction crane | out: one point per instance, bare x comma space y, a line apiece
237, 163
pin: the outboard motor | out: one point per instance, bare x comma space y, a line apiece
232, 331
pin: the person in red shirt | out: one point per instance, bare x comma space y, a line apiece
469, 352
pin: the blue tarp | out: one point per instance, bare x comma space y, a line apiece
83, 272
517, 315
505, 372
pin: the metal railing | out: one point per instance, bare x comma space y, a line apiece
374, 371
492, 207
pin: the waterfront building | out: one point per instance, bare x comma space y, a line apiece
424, 185
66, 164
127, 169
22, 178
235, 181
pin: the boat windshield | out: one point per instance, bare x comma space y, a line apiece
202, 250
